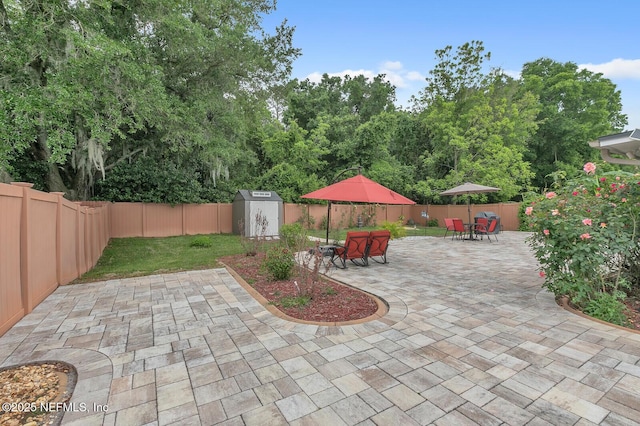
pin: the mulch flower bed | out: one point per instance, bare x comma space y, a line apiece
31, 394
329, 301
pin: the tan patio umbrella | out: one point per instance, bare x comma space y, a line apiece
469, 188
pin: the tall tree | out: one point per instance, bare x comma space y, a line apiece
577, 106
292, 161
478, 126
86, 85
336, 96
344, 110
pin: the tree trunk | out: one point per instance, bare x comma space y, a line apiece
53, 180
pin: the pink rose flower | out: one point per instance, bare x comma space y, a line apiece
550, 194
603, 225
624, 200
603, 179
555, 212
589, 168
574, 193
542, 274
528, 211
585, 236
586, 222
545, 232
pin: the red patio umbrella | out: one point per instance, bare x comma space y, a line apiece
358, 189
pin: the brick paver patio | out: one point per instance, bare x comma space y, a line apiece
470, 338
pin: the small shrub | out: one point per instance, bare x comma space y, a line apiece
311, 266
395, 228
306, 220
279, 262
201, 241
293, 236
609, 308
252, 245
433, 223
585, 237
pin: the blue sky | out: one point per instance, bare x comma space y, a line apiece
399, 38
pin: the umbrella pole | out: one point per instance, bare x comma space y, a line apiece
328, 221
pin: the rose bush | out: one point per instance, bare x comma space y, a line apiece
585, 237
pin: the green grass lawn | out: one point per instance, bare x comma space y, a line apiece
131, 257
128, 257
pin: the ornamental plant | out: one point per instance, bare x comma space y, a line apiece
585, 237
279, 262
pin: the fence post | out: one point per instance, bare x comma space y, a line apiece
87, 239
59, 237
184, 220
79, 243
24, 245
144, 221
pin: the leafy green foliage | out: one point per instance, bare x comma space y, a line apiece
478, 124
293, 236
279, 262
329, 291
148, 181
586, 236
294, 301
577, 106
609, 308
87, 85
201, 241
396, 229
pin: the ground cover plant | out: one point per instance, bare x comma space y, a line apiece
586, 241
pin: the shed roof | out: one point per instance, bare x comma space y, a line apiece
254, 195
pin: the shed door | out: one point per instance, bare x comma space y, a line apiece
268, 210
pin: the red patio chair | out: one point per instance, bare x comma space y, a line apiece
354, 249
481, 223
458, 228
448, 222
377, 245
488, 231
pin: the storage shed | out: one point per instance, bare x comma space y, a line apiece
250, 207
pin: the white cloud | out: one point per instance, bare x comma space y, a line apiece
617, 68
392, 65
393, 70
512, 74
415, 76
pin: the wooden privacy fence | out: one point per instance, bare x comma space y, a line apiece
47, 241
163, 220
346, 215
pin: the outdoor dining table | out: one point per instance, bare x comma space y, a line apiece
472, 231
327, 253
